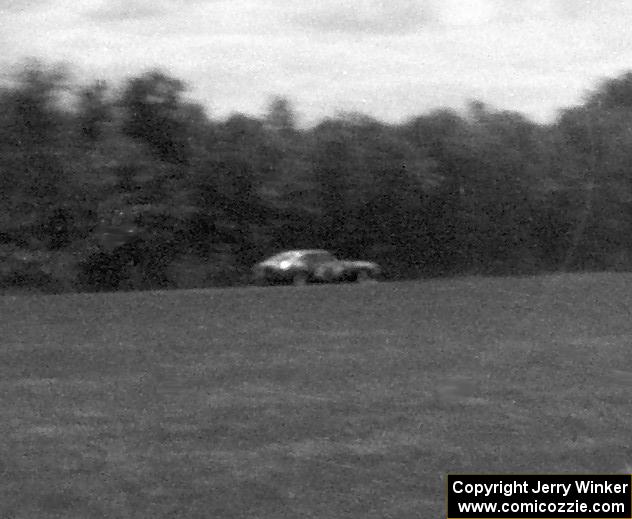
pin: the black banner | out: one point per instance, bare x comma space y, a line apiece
539, 496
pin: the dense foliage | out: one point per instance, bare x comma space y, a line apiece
135, 187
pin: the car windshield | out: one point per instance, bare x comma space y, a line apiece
284, 256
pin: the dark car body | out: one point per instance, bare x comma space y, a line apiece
312, 265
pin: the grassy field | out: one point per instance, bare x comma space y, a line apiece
318, 401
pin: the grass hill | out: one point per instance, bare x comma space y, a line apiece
319, 401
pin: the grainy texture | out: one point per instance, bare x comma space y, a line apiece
317, 401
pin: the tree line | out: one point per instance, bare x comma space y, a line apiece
133, 186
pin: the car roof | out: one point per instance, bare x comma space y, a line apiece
311, 251
300, 252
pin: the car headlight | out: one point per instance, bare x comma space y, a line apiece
285, 264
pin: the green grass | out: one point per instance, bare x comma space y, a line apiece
319, 401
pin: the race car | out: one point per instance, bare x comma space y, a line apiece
312, 266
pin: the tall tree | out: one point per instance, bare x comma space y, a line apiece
152, 105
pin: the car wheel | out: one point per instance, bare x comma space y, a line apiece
363, 277
261, 282
299, 279
327, 276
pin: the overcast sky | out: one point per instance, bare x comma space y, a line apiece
389, 58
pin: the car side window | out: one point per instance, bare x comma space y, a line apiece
317, 259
